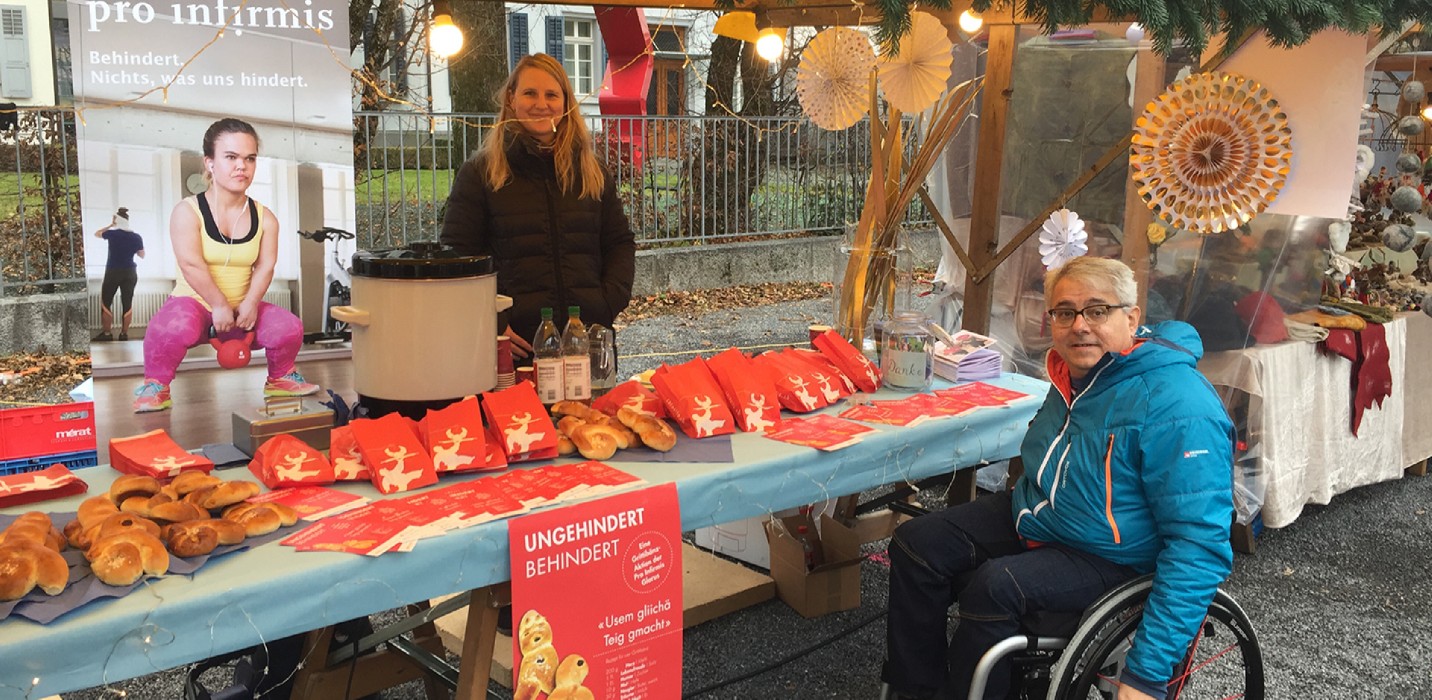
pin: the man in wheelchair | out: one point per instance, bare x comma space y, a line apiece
1127, 472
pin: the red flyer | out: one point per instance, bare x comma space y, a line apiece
939, 406
899, 413
821, 432
622, 637
982, 394
342, 534
313, 502
483, 500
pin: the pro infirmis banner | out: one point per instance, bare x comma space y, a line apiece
149, 79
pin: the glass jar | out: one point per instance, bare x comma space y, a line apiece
907, 353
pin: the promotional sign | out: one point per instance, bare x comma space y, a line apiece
150, 79
596, 598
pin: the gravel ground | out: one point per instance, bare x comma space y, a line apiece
1340, 598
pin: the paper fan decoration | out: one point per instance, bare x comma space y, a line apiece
915, 74
1062, 238
1211, 152
833, 78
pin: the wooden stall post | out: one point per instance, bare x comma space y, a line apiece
1148, 83
986, 209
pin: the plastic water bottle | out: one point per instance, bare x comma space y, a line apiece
813, 556
576, 358
547, 360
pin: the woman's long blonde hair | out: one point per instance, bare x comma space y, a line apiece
572, 155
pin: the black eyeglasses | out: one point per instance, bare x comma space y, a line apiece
1094, 314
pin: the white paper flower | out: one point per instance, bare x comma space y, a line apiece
833, 79
1062, 239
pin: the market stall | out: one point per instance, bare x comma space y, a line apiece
272, 591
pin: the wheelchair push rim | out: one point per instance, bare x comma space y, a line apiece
1224, 660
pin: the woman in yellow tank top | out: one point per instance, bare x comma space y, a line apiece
226, 245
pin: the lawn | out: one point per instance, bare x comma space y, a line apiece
11, 184
409, 186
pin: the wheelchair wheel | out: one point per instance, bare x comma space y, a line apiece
1224, 660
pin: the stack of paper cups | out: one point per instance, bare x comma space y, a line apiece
506, 375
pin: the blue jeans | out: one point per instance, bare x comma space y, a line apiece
976, 542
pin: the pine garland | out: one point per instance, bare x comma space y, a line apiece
1288, 23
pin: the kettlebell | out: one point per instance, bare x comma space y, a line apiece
234, 352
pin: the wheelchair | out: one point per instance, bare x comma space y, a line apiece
1073, 656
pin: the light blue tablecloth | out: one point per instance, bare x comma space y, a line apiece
272, 591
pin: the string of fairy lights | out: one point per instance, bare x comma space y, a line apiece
443, 34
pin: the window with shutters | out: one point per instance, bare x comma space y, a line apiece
554, 38
14, 53
579, 52
517, 38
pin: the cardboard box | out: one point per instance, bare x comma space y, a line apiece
745, 540
831, 587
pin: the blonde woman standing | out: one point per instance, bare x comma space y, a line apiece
536, 199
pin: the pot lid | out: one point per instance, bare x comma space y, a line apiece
420, 261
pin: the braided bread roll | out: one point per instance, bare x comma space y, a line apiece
595, 441
153, 557
654, 432
25, 565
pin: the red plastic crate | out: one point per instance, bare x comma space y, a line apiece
43, 430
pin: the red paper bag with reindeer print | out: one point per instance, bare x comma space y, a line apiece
749, 392
855, 365
288, 461
630, 395
519, 418
345, 456
396, 459
693, 399
796, 385
455, 438
831, 382
154, 454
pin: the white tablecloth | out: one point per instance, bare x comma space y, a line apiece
1300, 422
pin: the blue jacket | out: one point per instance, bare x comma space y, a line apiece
1138, 469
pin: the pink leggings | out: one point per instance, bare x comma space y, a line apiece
183, 323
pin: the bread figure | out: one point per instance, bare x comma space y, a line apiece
571, 673
538, 672
25, 565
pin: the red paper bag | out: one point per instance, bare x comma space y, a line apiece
749, 390
286, 461
396, 459
455, 438
154, 454
347, 459
693, 399
832, 383
494, 459
517, 415
796, 385
631, 395
852, 362
30, 487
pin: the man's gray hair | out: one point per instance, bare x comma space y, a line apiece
1101, 272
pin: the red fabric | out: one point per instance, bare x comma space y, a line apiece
1263, 316
1371, 375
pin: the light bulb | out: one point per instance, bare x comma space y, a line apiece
1135, 33
770, 44
971, 21
444, 38
1427, 112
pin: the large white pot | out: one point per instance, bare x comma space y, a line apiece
424, 322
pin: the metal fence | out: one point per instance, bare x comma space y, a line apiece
683, 179
41, 241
